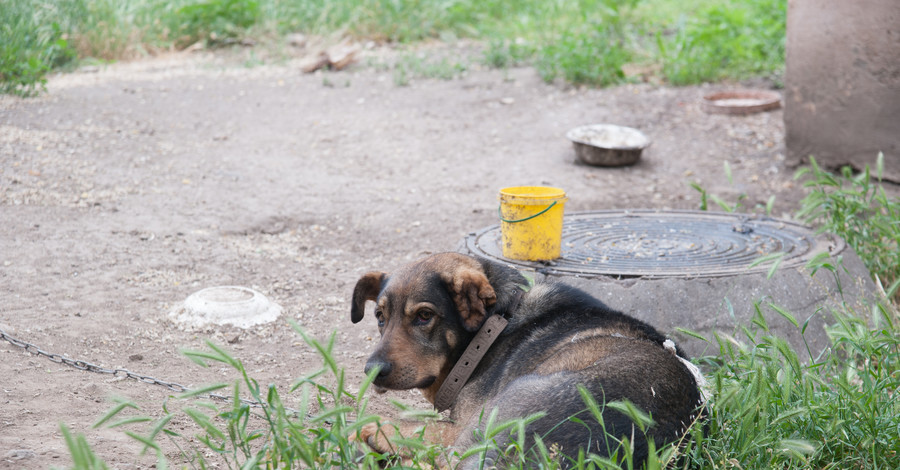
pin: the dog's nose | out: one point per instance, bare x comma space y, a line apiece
384, 367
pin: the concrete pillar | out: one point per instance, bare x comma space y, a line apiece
842, 83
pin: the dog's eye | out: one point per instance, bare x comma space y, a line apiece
423, 317
379, 315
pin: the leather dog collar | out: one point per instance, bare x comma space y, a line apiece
463, 369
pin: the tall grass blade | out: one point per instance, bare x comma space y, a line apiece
113, 412
127, 421
774, 258
797, 447
202, 391
149, 443
204, 423
692, 334
639, 417
160, 426
784, 313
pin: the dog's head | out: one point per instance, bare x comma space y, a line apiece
427, 313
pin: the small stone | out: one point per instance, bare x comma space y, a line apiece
296, 40
313, 62
342, 55
19, 454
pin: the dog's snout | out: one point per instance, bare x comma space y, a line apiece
383, 366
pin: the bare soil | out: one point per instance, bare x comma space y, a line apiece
126, 188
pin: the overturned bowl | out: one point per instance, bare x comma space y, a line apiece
226, 305
608, 144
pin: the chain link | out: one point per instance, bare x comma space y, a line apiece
87, 366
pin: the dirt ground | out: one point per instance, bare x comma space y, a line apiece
128, 187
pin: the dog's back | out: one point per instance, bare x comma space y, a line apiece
561, 338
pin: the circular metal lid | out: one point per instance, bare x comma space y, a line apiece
226, 305
741, 101
645, 243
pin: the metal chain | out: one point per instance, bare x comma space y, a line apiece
87, 366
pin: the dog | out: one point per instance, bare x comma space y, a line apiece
557, 340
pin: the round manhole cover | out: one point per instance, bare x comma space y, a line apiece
226, 305
667, 243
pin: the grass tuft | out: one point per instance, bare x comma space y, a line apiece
771, 407
775, 408
32, 43
217, 22
857, 208
726, 40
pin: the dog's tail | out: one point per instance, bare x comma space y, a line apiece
702, 385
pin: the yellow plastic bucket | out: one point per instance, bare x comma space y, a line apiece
531, 219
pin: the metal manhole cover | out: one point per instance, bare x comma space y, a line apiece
667, 243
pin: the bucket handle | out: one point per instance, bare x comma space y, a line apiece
500, 213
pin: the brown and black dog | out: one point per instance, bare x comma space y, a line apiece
558, 338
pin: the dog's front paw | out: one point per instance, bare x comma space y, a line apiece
374, 436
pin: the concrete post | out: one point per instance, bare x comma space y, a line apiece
842, 83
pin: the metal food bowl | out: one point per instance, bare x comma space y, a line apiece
741, 102
608, 144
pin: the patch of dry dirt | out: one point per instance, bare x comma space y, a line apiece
124, 190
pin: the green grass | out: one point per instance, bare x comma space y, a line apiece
31, 44
774, 407
411, 65
582, 42
858, 209
320, 432
217, 22
726, 40
592, 51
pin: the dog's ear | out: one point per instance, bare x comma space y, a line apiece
472, 293
367, 288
